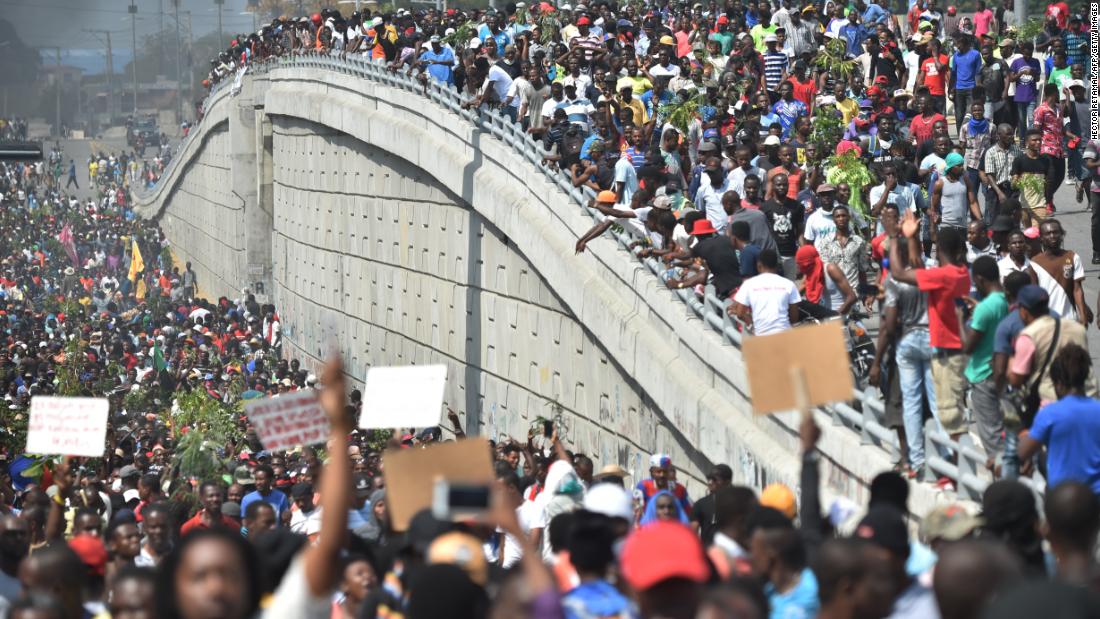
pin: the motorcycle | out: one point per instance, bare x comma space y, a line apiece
857, 339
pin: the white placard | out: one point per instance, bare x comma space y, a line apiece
67, 426
289, 420
403, 397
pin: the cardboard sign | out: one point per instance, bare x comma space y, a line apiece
403, 397
67, 426
289, 420
411, 473
819, 354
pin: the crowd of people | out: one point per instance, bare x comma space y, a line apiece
773, 150
13, 129
796, 158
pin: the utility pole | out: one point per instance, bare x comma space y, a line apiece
133, 65
110, 72
57, 90
160, 41
190, 63
221, 39
179, 74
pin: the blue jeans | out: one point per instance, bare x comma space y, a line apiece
914, 359
1026, 115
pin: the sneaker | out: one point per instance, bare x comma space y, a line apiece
915, 473
1095, 258
945, 483
1051, 209
1070, 180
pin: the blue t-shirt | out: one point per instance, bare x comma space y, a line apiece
276, 499
1007, 330
788, 112
1070, 428
597, 598
801, 602
440, 72
967, 67
749, 254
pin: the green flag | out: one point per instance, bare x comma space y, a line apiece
158, 358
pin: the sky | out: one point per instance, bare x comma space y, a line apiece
62, 23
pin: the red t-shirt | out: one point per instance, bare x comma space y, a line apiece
804, 91
921, 127
1060, 12
197, 523
935, 79
944, 285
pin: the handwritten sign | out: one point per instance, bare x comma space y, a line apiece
289, 420
67, 426
403, 397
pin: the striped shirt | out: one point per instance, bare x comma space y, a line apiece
998, 162
775, 63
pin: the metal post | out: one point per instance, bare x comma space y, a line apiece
179, 76
110, 72
133, 65
221, 38
160, 42
57, 90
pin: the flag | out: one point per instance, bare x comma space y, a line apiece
158, 358
137, 265
140, 293
66, 239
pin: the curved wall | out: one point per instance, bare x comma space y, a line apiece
379, 220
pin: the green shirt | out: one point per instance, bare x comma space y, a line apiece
725, 39
987, 315
758, 33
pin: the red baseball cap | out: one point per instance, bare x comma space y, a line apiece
722, 19
663, 550
584, 21
91, 551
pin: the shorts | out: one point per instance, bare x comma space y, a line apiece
950, 387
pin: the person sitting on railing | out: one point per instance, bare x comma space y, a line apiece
712, 253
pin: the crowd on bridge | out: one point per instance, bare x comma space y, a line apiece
792, 158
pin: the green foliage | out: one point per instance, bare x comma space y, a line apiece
1029, 30
833, 60
680, 113
166, 258
827, 127
462, 35
1033, 184
210, 425
849, 169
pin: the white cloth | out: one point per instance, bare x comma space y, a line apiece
1059, 300
306, 524
769, 296
293, 599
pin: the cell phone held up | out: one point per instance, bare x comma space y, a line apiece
460, 501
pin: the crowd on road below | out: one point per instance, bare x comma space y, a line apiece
794, 158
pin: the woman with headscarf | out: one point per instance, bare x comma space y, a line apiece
663, 507
562, 493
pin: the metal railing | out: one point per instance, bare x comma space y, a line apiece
861, 415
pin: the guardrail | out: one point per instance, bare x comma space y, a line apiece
861, 414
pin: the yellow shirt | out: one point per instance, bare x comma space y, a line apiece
848, 108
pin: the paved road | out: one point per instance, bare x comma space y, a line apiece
113, 141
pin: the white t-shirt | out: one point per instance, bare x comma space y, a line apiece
671, 70
769, 295
625, 174
512, 552
293, 598
306, 524
820, 227
501, 82
1059, 300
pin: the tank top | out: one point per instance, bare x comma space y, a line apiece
954, 204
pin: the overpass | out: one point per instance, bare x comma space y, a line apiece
379, 215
